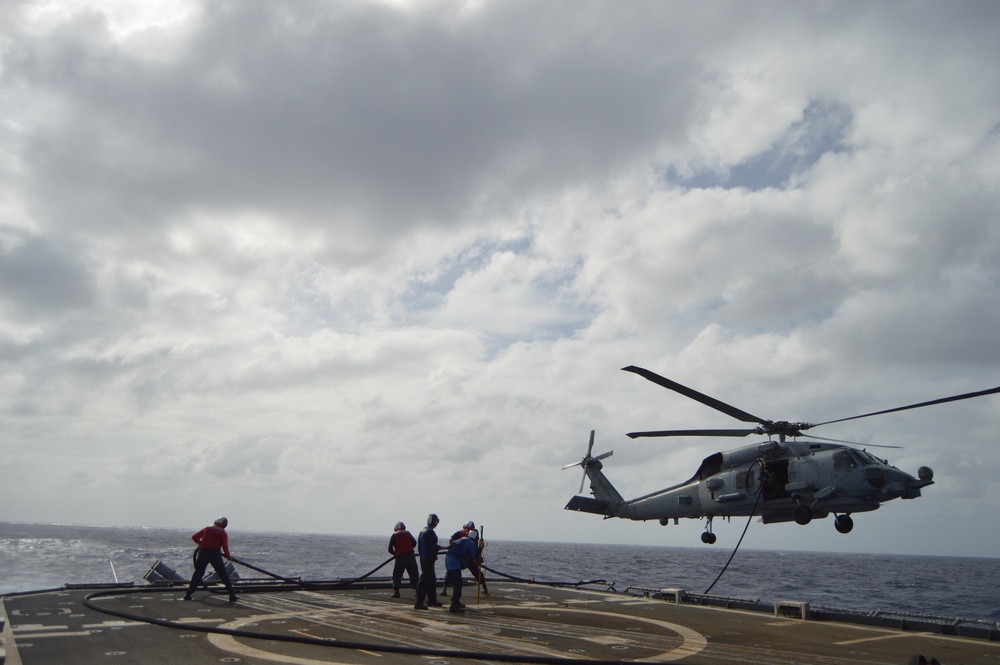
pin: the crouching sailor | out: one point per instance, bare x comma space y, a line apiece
462, 553
212, 541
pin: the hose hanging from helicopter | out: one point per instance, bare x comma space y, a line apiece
760, 492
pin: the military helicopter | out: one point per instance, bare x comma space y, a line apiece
781, 479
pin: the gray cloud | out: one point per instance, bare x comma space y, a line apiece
297, 253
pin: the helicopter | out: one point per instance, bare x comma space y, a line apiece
781, 479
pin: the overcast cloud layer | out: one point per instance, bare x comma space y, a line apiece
326, 266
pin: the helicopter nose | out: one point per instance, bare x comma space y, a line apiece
925, 477
876, 477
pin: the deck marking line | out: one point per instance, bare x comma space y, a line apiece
24, 628
36, 636
880, 637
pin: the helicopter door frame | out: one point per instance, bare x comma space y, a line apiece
773, 485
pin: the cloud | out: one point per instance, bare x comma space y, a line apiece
263, 259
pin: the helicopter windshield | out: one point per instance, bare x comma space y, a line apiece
844, 460
871, 459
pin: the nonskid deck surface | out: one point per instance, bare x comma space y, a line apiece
517, 623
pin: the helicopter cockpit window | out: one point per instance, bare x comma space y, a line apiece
843, 460
871, 459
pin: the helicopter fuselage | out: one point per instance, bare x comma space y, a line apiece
779, 481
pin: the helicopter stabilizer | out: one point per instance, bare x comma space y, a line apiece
586, 504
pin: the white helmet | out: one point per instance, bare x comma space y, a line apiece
222, 522
432, 519
469, 525
399, 527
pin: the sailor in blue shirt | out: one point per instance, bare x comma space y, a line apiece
461, 553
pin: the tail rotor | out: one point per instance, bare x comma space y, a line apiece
588, 460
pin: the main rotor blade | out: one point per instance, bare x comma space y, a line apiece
695, 432
727, 409
943, 400
853, 443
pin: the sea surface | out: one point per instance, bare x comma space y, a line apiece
46, 556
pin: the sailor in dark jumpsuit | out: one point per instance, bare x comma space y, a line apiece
427, 550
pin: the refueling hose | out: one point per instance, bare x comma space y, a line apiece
532, 580
88, 601
279, 577
760, 491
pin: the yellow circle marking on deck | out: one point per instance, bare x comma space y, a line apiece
692, 643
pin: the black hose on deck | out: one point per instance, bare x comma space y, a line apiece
269, 574
542, 582
338, 644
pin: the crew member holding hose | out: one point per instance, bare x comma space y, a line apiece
428, 548
213, 542
462, 554
401, 546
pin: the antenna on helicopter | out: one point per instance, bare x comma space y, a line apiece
588, 460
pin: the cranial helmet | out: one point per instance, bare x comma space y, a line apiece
469, 525
222, 521
473, 534
432, 519
399, 527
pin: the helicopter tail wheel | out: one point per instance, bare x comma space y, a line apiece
802, 515
843, 523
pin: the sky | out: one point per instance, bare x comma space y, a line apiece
321, 267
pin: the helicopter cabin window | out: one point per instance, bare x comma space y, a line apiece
745, 480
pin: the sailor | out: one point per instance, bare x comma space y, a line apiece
427, 550
213, 542
462, 554
401, 545
474, 568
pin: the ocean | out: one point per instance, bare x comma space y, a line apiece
45, 556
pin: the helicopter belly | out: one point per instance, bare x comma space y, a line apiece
679, 503
784, 511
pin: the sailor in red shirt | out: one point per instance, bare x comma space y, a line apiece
212, 541
401, 545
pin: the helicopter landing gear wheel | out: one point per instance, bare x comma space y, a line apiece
802, 515
843, 523
708, 537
